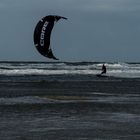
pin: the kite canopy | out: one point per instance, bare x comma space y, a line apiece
42, 34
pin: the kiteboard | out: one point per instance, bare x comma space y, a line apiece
101, 75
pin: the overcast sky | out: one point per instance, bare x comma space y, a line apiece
96, 30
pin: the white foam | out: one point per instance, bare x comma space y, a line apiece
116, 69
24, 100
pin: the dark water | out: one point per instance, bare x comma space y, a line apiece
69, 105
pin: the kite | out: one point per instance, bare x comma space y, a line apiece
42, 35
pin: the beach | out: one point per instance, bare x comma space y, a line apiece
101, 108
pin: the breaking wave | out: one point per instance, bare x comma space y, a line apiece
60, 68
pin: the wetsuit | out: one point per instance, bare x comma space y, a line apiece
103, 69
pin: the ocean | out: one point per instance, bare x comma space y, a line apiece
67, 101
66, 69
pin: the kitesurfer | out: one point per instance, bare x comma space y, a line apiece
103, 69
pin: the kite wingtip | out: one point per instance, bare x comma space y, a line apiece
64, 18
55, 58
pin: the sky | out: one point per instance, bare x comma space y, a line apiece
96, 30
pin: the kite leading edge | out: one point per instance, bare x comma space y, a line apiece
42, 34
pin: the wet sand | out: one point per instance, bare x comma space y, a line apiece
70, 110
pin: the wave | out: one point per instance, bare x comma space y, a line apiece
57, 68
25, 100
